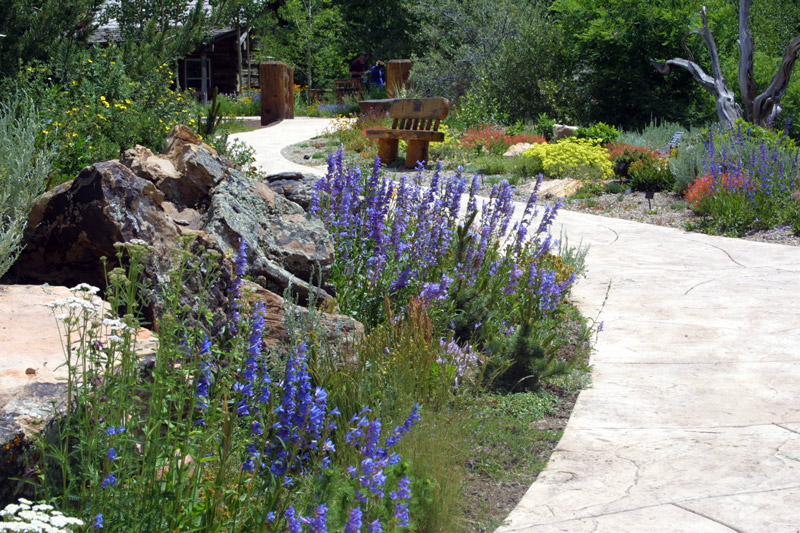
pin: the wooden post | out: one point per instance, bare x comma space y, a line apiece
416, 151
397, 72
272, 79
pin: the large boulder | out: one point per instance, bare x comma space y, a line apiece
75, 224
288, 248
159, 199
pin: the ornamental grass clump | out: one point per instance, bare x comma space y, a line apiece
748, 183
214, 432
482, 277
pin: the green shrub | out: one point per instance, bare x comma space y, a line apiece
102, 110
240, 105
589, 190
599, 131
544, 126
615, 187
655, 135
749, 178
686, 164
752, 133
651, 174
23, 173
577, 158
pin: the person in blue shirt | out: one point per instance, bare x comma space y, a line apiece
376, 80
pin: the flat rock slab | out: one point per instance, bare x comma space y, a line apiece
31, 349
33, 377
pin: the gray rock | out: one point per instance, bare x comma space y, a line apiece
561, 131
287, 247
294, 186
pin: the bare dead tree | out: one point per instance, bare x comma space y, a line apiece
761, 109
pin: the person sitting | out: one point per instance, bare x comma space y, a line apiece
358, 66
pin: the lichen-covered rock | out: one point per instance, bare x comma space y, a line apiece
340, 329
295, 186
158, 199
287, 247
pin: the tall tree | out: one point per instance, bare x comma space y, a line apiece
41, 29
759, 109
391, 32
305, 35
609, 43
153, 32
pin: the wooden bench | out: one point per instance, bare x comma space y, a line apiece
416, 121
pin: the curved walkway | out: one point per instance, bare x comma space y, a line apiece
693, 420
269, 141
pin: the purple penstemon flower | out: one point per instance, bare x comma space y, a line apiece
235, 294
294, 522
354, 520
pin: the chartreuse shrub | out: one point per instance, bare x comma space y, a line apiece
214, 432
489, 284
23, 173
748, 180
584, 159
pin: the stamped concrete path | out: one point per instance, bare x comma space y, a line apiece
692, 423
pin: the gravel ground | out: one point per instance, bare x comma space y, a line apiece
664, 210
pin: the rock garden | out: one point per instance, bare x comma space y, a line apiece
208, 348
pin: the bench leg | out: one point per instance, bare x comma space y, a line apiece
387, 150
417, 151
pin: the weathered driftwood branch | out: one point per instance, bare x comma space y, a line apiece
727, 110
767, 105
761, 109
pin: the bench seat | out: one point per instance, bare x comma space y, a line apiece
416, 121
430, 136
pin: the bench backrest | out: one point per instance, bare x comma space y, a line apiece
422, 114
